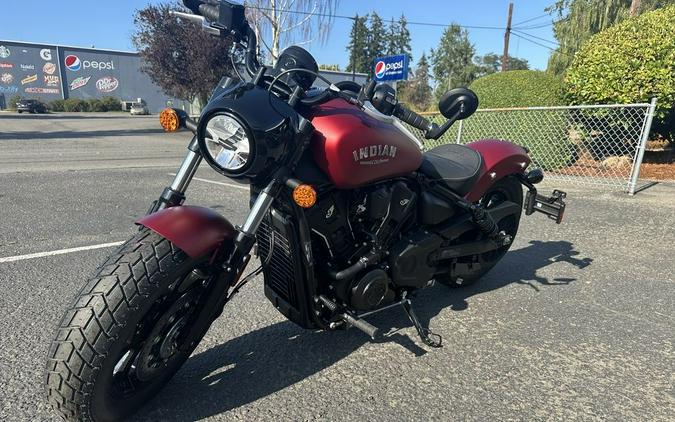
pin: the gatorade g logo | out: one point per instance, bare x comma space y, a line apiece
74, 64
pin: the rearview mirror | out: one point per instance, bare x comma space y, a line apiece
458, 103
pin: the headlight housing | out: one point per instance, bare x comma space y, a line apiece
228, 142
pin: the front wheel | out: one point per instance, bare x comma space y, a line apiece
122, 339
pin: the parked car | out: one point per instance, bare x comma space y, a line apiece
30, 106
139, 109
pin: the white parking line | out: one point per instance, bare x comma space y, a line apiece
229, 185
58, 252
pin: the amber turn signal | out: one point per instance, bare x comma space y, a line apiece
169, 120
304, 196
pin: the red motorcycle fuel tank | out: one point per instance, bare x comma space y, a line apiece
354, 148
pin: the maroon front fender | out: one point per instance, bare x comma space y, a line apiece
500, 159
196, 230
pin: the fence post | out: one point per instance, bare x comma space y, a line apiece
459, 132
640, 153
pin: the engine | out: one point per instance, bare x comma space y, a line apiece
348, 225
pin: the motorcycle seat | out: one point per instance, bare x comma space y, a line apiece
456, 166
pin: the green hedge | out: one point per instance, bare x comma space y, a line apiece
627, 63
518, 88
93, 104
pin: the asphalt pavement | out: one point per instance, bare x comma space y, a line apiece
576, 323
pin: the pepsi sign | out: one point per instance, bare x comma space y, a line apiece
391, 68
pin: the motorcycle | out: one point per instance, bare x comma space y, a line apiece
348, 217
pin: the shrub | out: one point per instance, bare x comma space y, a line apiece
518, 88
96, 105
75, 105
13, 100
111, 104
522, 88
630, 62
57, 105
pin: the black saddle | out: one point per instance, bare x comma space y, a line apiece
457, 166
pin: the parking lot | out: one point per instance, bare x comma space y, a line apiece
576, 323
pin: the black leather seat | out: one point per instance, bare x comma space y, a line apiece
457, 166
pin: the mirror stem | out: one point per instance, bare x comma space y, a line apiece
437, 131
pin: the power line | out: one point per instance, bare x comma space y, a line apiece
539, 44
536, 37
532, 19
352, 18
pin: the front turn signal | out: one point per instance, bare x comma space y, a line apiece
304, 196
169, 120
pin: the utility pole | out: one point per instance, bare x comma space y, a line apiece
356, 36
507, 34
635, 7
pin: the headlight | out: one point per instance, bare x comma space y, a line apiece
227, 143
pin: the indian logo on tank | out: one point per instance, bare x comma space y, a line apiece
374, 154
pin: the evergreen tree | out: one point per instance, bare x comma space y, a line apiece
393, 37
418, 93
358, 46
377, 40
451, 61
399, 38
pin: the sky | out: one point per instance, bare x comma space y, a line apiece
109, 24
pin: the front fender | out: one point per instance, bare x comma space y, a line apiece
500, 159
196, 230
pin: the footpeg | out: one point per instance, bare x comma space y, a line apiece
428, 337
370, 330
553, 206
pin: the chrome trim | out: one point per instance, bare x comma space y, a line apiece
186, 171
258, 211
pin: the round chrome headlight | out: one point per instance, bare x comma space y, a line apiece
227, 142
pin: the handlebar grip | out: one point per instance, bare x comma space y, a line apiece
211, 13
412, 118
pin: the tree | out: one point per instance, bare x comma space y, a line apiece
283, 21
418, 91
492, 62
358, 45
399, 38
578, 20
334, 67
178, 56
451, 61
377, 40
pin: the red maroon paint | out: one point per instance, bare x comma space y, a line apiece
355, 149
196, 230
500, 158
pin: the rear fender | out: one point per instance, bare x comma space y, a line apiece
500, 159
196, 230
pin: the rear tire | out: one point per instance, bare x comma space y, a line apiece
506, 189
132, 295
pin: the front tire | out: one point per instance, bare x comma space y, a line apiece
119, 344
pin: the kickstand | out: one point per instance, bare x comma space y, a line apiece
428, 337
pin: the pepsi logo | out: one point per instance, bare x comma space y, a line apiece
380, 69
73, 63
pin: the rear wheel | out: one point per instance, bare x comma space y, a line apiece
123, 338
507, 189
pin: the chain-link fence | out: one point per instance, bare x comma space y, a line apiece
587, 145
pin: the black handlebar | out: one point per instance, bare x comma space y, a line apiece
413, 119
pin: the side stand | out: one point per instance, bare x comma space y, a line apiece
428, 337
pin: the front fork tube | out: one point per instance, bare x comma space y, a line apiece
175, 193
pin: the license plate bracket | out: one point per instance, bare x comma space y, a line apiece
552, 206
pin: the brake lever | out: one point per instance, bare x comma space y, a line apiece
206, 26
